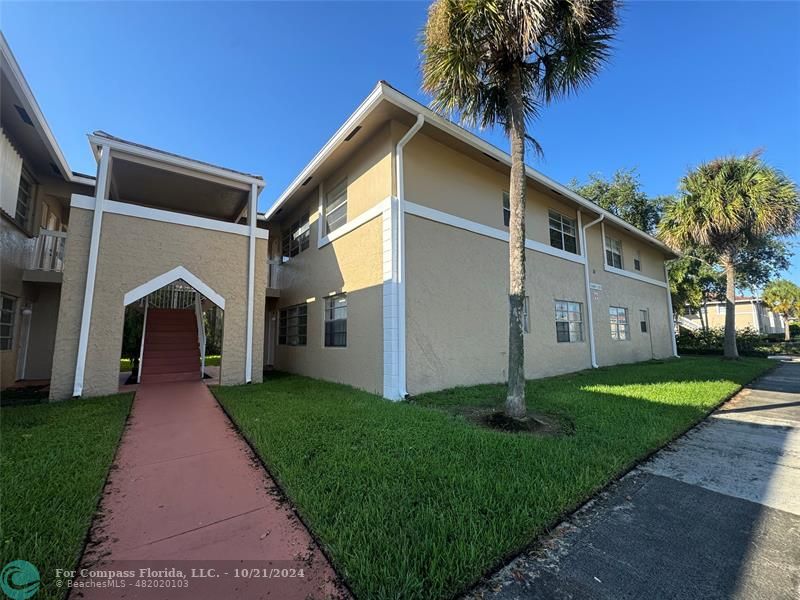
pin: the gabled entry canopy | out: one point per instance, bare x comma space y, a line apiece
169, 277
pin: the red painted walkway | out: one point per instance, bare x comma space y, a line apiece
185, 493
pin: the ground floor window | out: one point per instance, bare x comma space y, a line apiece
293, 326
569, 321
618, 318
336, 321
7, 314
643, 320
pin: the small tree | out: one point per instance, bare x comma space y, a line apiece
783, 297
725, 205
132, 337
498, 62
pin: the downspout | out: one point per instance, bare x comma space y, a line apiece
671, 312
251, 276
401, 257
588, 288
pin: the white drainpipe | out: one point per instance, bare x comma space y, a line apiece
401, 257
589, 288
672, 313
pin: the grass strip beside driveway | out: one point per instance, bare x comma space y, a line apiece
414, 501
54, 459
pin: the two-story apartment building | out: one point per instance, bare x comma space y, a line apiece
751, 313
394, 278
383, 265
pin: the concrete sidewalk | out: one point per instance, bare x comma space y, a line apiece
185, 493
715, 515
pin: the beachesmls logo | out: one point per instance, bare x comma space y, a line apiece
19, 580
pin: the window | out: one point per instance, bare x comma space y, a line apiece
336, 207
7, 322
526, 315
506, 209
563, 233
293, 325
618, 317
24, 199
637, 261
295, 239
569, 321
336, 321
643, 320
720, 309
613, 252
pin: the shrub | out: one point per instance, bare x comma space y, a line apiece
749, 342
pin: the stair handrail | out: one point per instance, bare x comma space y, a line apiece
201, 333
141, 346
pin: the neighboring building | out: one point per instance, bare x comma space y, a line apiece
382, 266
35, 188
751, 313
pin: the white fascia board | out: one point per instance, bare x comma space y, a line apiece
362, 111
23, 90
175, 274
166, 216
178, 161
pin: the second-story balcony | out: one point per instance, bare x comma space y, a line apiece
47, 259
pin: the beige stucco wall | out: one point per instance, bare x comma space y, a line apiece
132, 252
634, 295
43, 332
352, 263
457, 309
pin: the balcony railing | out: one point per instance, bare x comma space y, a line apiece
48, 254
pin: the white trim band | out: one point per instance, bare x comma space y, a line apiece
446, 218
364, 217
632, 275
156, 283
165, 216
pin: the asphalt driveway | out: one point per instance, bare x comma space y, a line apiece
715, 515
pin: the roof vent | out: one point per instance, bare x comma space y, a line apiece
352, 134
307, 180
55, 169
23, 114
487, 155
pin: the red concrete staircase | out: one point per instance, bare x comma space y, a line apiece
171, 351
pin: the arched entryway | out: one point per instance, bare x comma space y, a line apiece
172, 330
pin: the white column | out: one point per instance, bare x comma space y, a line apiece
251, 274
91, 272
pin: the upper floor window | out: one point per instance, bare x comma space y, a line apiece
24, 199
637, 261
618, 317
613, 252
336, 207
569, 321
336, 321
506, 209
563, 233
293, 325
7, 322
295, 239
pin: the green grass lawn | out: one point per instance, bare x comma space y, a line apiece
414, 501
53, 463
211, 361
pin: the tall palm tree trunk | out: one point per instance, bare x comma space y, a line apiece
787, 332
729, 347
515, 398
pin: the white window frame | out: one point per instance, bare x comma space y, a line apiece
561, 223
644, 320
614, 249
285, 315
8, 317
637, 261
566, 312
336, 202
333, 314
297, 237
506, 209
620, 323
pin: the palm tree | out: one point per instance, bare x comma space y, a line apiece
724, 205
498, 62
783, 297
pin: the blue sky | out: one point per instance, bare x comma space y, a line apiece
261, 86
